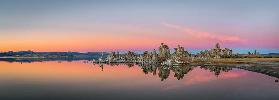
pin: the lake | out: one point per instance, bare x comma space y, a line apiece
79, 80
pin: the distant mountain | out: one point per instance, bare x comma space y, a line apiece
273, 54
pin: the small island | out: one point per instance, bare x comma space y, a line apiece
164, 55
216, 58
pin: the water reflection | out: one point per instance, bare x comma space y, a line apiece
85, 80
163, 71
182, 69
217, 69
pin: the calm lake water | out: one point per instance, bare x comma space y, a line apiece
77, 80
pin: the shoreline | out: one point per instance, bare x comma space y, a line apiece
244, 60
218, 60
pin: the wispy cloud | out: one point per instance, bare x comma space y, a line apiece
206, 36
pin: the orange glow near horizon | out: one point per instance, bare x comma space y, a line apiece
129, 40
76, 43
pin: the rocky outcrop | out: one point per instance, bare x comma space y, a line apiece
164, 56
216, 52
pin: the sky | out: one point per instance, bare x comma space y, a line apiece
112, 25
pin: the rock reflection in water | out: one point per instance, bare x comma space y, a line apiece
163, 71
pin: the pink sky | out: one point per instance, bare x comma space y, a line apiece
127, 25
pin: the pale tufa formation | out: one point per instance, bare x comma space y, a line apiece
165, 57
216, 52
